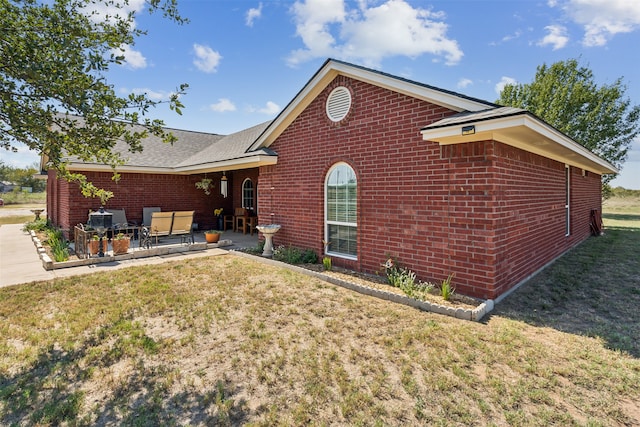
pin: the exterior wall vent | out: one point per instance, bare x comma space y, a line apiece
338, 104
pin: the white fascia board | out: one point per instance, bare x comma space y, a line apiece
227, 165
295, 107
563, 140
494, 129
452, 134
332, 69
445, 99
95, 167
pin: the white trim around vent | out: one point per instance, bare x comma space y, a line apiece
338, 104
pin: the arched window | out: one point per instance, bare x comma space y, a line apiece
247, 194
341, 211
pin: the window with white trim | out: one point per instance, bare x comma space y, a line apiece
247, 194
341, 211
567, 199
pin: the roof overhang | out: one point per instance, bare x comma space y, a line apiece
523, 131
246, 162
332, 68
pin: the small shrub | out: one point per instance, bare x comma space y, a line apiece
59, 246
309, 257
391, 270
418, 290
293, 255
326, 263
57, 243
40, 225
446, 289
60, 253
398, 276
256, 250
405, 279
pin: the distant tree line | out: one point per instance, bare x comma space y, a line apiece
22, 177
624, 192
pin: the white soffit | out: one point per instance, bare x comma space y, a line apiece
527, 133
227, 165
332, 69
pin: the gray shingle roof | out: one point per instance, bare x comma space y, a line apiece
229, 147
191, 148
157, 153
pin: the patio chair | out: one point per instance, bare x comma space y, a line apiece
229, 220
160, 224
120, 223
245, 220
146, 215
183, 225
240, 217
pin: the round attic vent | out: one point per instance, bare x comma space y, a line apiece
338, 103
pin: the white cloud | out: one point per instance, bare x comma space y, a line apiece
253, 14
222, 105
503, 82
133, 58
22, 158
370, 34
103, 12
513, 36
557, 37
153, 94
602, 19
207, 59
271, 109
464, 82
122, 11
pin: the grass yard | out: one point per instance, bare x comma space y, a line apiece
227, 341
622, 212
15, 198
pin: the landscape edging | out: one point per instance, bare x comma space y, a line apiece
474, 315
49, 264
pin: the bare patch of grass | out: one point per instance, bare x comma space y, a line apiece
226, 341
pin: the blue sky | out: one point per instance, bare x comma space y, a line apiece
245, 60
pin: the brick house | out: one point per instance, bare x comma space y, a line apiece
362, 166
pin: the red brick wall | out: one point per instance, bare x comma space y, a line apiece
401, 179
489, 213
235, 187
67, 207
531, 215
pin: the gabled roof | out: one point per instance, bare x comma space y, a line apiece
518, 128
332, 68
227, 151
198, 152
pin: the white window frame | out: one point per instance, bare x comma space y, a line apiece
327, 223
567, 200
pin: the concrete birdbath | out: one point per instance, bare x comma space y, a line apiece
268, 231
